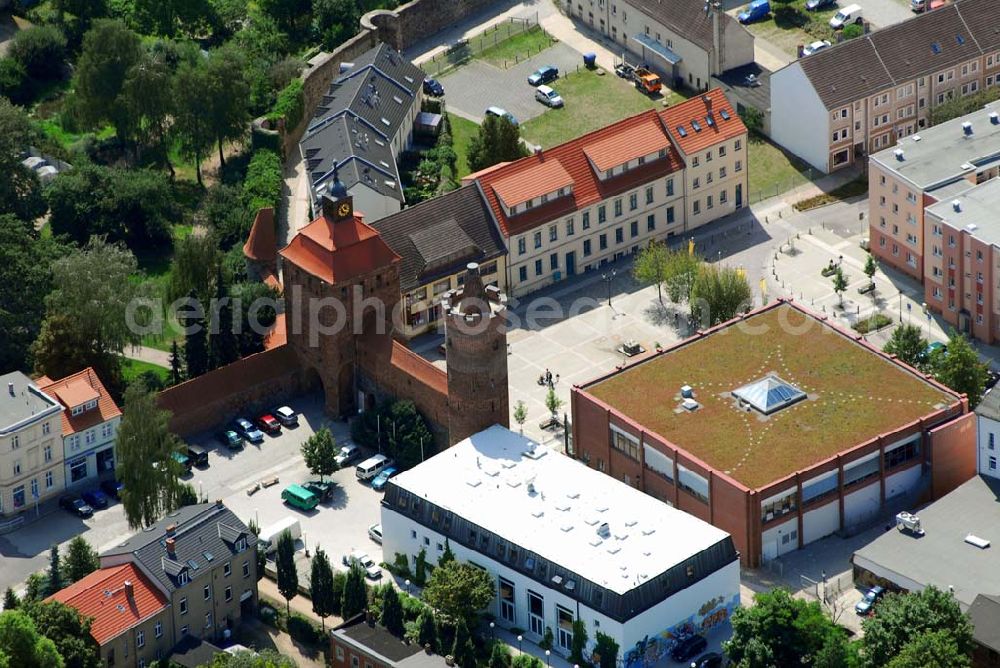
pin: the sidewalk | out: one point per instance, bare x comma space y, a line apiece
148, 355
300, 604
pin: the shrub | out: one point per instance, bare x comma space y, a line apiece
269, 615
412, 606
41, 51
853, 31
400, 565
264, 181
13, 81
303, 630
878, 321
290, 105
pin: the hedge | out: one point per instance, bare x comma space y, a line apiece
264, 182
303, 630
290, 105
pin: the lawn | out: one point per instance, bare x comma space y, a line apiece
592, 102
506, 52
853, 395
790, 24
132, 368
462, 132
773, 170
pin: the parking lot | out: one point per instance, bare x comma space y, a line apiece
478, 84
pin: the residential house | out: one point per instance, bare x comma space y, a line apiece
359, 642
436, 239
131, 619
835, 108
687, 41
90, 420
359, 129
203, 561
31, 453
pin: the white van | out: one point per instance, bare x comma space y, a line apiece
846, 16
268, 538
372, 466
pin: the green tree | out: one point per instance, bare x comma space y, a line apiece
25, 280
718, 295
392, 612
196, 356
261, 554
606, 649
406, 434
227, 97
420, 568
547, 639
959, 368
753, 118
176, 372
321, 587
499, 656
288, 14
14, 85
907, 344
41, 51
871, 266
553, 402
194, 267
520, 415
355, 598
20, 190
903, 617
931, 649
146, 466
962, 105
426, 634
320, 453
288, 576
69, 630
257, 313
498, 140
578, 643
458, 591
462, 648
651, 266
191, 123
224, 347
35, 587
779, 630
148, 99
447, 555
839, 284
334, 21
23, 645
81, 560
246, 658
55, 571
109, 51
10, 599
679, 275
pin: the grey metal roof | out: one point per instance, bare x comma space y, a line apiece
21, 401
919, 46
204, 533
989, 406
440, 236
769, 394
378, 642
686, 18
985, 615
976, 211
941, 556
353, 127
942, 153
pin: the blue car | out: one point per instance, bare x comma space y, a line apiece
96, 499
382, 478
112, 488
755, 11
543, 75
247, 430
872, 596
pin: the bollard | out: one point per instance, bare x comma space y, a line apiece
766, 220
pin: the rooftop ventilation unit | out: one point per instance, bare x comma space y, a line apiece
604, 531
981, 543
967, 128
687, 391
972, 227
917, 137
956, 205
690, 405
909, 522
899, 154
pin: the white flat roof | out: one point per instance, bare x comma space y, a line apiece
487, 477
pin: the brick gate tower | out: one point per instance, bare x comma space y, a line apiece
476, 345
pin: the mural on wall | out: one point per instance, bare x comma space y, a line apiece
650, 650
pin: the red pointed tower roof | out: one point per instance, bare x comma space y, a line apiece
262, 242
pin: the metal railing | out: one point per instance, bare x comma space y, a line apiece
465, 50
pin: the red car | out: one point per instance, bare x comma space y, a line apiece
269, 424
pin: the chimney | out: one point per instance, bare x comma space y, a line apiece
129, 593
10, 388
171, 529
218, 503
170, 549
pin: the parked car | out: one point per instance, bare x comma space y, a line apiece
359, 558
375, 533
95, 498
818, 45
500, 112
183, 460
198, 455
321, 488
299, 497
247, 430
433, 87
846, 16
269, 424
815, 5
543, 75
688, 648
112, 488
710, 660
872, 596
348, 453
382, 478
76, 505
230, 438
286, 416
548, 97
755, 11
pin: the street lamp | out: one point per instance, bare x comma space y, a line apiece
519, 639
547, 655
608, 277
407, 583
901, 306
492, 633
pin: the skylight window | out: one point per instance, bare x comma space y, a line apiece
681, 131
960, 40
769, 394
936, 48
724, 114
696, 126
710, 120
385, 121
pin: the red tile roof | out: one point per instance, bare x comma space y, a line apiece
533, 181
338, 251
612, 140
101, 596
262, 242
76, 390
697, 109
629, 144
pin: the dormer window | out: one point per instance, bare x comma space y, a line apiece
183, 578
241, 544
77, 410
90, 405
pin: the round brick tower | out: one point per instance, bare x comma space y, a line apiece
476, 344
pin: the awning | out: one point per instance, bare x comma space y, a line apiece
657, 48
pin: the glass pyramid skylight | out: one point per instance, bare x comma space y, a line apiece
769, 394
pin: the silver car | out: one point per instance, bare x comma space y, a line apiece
548, 97
366, 563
